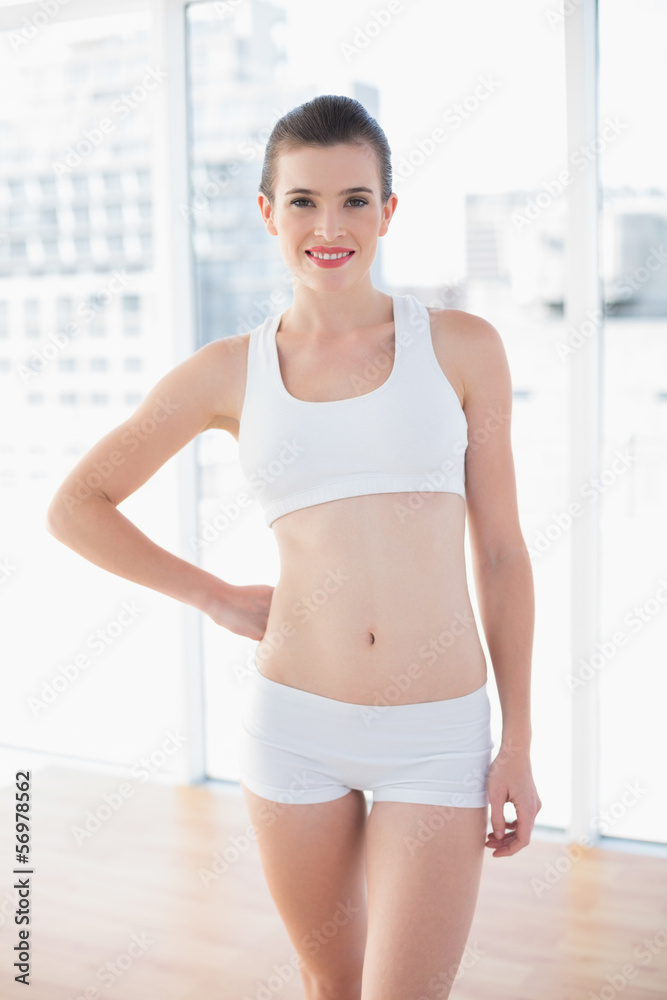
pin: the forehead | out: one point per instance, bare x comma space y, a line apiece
332, 167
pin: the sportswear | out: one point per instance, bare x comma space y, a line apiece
301, 747
408, 435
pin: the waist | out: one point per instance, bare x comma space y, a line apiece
368, 607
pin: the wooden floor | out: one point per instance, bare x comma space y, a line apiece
127, 912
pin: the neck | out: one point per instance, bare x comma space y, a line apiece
337, 312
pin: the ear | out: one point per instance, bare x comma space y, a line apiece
267, 213
387, 213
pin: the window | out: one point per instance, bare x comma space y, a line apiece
80, 185
633, 537
47, 187
99, 364
112, 182
31, 312
17, 218
494, 165
49, 94
64, 306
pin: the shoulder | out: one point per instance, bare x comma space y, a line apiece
470, 345
224, 350
466, 335
217, 372
223, 359
461, 325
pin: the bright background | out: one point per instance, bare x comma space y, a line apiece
456, 240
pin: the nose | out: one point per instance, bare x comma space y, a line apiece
329, 226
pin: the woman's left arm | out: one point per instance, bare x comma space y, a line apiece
502, 570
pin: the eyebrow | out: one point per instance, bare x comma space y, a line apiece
340, 193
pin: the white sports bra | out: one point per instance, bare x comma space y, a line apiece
408, 435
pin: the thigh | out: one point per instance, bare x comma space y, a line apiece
423, 869
313, 859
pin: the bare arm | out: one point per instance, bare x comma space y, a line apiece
503, 574
83, 514
501, 562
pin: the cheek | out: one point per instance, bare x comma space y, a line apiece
293, 232
366, 231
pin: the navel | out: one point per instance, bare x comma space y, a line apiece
372, 638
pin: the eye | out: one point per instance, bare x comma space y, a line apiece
296, 201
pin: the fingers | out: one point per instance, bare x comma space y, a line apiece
510, 844
508, 837
515, 839
497, 817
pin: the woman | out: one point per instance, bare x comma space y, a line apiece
381, 423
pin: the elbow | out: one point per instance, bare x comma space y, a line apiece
496, 559
60, 515
65, 513
54, 517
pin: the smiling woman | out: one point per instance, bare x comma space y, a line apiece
376, 491
370, 673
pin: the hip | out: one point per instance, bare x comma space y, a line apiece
300, 746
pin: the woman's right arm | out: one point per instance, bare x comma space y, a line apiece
193, 396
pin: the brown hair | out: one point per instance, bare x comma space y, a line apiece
326, 121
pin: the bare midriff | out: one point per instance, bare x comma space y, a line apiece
372, 603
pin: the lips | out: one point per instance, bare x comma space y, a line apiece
331, 261
319, 249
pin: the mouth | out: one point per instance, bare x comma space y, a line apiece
330, 259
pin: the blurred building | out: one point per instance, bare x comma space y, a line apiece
635, 267
515, 251
76, 290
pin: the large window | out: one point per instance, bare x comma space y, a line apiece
89, 658
633, 628
98, 241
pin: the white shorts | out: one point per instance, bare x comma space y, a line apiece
300, 747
